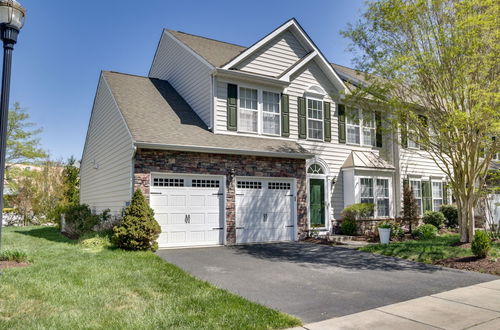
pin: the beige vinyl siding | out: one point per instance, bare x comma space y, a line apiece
333, 153
275, 57
108, 146
186, 72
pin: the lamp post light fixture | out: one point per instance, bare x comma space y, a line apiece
12, 16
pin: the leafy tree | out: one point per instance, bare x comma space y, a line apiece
36, 192
138, 229
438, 59
23, 145
71, 182
410, 207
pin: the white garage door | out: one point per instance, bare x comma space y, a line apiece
264, 210
188, 209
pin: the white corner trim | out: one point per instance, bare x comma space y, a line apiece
303, 62
192, 52
258, 44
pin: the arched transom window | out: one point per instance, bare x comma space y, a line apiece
315, 169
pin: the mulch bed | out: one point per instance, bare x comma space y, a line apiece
475, 264
12, 264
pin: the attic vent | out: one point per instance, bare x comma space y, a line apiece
315, 89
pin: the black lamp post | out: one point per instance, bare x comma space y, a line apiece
12, 16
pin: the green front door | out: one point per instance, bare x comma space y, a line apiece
317, 202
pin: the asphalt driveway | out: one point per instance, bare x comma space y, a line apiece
317, 282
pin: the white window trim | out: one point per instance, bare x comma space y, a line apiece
442, 193
274, 113
260, 110
361, 126
375, 197
309, 97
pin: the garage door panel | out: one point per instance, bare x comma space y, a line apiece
264, 214
187, 209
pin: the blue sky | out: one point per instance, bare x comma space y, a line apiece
65, 44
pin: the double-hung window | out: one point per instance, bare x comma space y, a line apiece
369, 134
315, 119
437, 195
248, 110
361, 127
270, 113
366, 190
376, 191
353, 127
416, 189
412, 139
382, 195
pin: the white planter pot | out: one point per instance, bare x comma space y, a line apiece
385, 235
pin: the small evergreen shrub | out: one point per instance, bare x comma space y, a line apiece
481, 244
13, 255
138, 230
79, 220
426, 231
450, 213
434, 218
410, 207
348, 227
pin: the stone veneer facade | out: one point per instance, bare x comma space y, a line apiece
180, 162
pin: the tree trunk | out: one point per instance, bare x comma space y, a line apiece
466, 218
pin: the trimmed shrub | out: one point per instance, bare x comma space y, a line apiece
353, 212
348, 227
138, 230
481, 244
79, 220
95, 240
450, 213
434, 218
13, 255
426, 231
357, 211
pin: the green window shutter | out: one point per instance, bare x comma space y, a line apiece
445, 193
328, 121
341, 117
285, 116
301, 104
232, 107
427, 195
378, 128
404, 132
424, 122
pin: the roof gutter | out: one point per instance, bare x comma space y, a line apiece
213, 150
250, 76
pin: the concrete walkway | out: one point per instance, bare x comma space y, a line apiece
473, 307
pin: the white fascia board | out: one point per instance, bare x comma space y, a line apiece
249, 51
215, 150
251, 77
303, 62
186, 47
357, 168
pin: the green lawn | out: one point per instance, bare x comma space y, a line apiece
72, 287
427, 251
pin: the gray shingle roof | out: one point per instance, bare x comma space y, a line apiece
215, 52
156, 114
219, 53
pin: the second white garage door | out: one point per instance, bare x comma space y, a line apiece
265, 210
188, 209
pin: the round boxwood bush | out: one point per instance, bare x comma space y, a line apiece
138, 229
481, 244
426, 231
450, 213
434, 218
348, 227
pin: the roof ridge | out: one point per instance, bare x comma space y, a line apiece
212, 39
127, 74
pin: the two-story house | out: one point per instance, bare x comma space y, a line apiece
234, 144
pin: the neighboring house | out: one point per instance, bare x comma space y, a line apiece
233, 144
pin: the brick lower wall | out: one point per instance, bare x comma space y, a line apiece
179, 162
